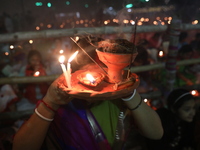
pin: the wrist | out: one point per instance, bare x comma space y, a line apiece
129, 97
50, 105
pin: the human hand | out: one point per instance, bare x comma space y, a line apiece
56, 95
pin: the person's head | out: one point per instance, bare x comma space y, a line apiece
182, 103
34, 58
183, 36
142, 57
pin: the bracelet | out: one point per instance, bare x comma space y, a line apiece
137, 105
48, 106
129, 98
41, 116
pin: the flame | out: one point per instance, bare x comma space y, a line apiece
194, 92
61, 51
36, 74
161, 54
90, 77
76, 38
62, 59
72, 57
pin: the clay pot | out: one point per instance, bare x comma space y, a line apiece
116, 64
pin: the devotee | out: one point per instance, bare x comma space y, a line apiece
62, 121
177, 121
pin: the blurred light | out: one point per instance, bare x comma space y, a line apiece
67, 2
31, 41
11, 46
36, 74
129, 10
132, 22
48, 4
6, 53
146, 19
155, 22
86, 5
49, 26
126, 21
145, 100
170, 18
129, 5
38, 4
194, 92
61, 51
76, 38
139, 23
195, 22
106, 22
142, 19
37, 28
161, 54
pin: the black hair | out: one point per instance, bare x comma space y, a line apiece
177, 97
185, 49
32, 53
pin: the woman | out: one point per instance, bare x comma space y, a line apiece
33, 92
67, 123
177, 121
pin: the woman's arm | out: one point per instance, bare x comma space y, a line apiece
33, 132
145, 118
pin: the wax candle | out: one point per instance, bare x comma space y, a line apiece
69, 66
67, 78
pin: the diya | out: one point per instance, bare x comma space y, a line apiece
111, 82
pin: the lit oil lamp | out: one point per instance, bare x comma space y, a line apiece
36, 74
90, 78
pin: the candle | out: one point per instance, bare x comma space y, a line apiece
161, 54
36, 74
67, 78
69, 65
90, 78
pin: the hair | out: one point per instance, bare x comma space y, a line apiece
185, 49
183, 36
32, 53
178, 97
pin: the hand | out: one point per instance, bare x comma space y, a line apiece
57, 95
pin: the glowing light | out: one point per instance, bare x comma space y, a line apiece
195, 22
37, 28
194, 92
132, 22
155, 22
11, 46
145, 100
49, 26
6, 53
36, 74
61, 51
90, 78
161, 54
31, 41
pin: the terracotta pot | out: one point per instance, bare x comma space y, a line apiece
116, 64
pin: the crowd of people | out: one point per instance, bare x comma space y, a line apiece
178, 120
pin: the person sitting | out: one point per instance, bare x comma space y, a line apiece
178, 122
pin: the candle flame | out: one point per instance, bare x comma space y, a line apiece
73, 56
194, 92
36, 74
76, 38
62, 59
90, 77
161, 54
61, 51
